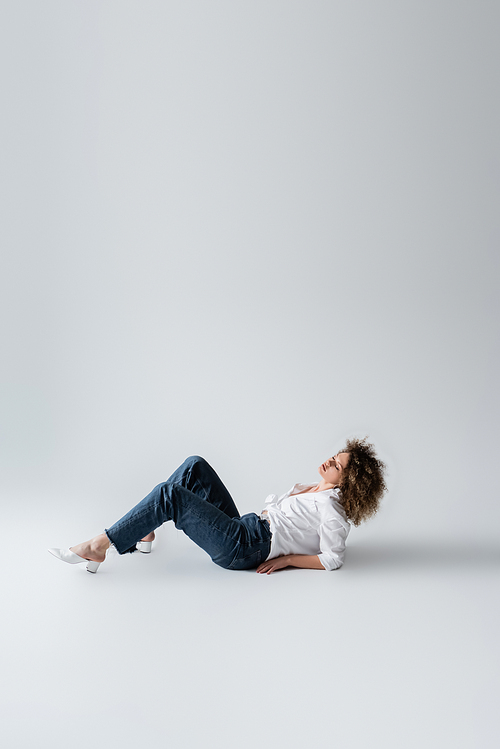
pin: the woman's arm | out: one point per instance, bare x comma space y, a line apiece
306, 561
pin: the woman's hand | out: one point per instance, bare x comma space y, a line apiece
278, 563
307, 561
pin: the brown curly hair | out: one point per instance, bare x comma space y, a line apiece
362, 484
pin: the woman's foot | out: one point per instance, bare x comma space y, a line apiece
149, 537
95, 549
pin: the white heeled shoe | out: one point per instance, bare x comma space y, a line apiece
65, 555
144, 546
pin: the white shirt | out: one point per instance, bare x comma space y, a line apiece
311, 523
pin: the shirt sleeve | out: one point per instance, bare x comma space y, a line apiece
332, 538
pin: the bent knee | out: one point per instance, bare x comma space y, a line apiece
194, 459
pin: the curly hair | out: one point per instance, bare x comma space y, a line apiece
362, 484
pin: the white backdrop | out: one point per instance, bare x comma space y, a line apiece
248, 230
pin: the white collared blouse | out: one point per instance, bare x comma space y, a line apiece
308, 523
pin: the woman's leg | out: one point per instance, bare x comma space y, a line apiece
198, 476
231, 542
197, 501
195, 475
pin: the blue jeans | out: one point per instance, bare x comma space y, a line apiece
197, 501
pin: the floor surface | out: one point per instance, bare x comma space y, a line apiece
399, 648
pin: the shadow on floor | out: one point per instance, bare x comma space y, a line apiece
413, 555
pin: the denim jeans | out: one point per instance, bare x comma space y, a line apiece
197, 501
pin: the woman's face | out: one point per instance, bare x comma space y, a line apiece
331, 470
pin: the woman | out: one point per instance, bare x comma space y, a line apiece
306, 527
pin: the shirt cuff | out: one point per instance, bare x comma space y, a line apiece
330, 563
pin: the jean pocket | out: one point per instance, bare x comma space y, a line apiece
246, 562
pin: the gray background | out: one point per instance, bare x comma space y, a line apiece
247, 230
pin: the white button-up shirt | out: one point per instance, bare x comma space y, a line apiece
311, 523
